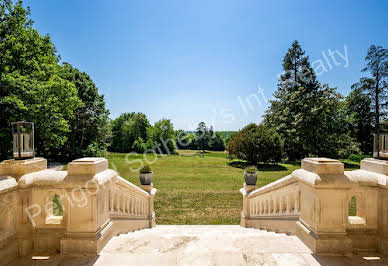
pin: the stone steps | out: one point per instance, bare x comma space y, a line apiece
207, 245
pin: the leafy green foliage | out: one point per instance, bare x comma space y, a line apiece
359, 115
251, 170
35, 88
127, 129
358, 157
308, 116
256, 144
203, 138
163, 136
145, 169
89, 127
31, 87
139, 146
377, 87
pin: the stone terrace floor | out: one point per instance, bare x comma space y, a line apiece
205, 245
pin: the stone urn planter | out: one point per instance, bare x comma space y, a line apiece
146, 175
250, 176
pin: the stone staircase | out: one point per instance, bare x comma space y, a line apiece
205, 245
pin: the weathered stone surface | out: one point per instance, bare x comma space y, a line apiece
87, 166
96, 204
205, 245
17, 168
313, 203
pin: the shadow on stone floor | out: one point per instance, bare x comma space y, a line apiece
355, 259
57, 260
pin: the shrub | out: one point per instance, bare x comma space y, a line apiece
251, 170
139, 146
256, 144
358, 157
145, 169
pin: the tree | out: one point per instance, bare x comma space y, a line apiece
185, 140
128, 128
377, 65
256, 144
163, 136
216, 142
89, 128
139, 146
359, 114
31, 87
202, 136
304, 112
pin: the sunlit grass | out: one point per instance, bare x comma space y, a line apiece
193, 190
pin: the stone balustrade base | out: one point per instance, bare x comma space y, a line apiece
324, 244
9, 251
275, 223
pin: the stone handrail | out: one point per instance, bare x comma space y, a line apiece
273, 207
278, 198
128, 200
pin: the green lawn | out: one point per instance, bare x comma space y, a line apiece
194, 190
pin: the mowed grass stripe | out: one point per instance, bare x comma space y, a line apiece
193, 190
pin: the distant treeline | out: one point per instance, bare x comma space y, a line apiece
132, 132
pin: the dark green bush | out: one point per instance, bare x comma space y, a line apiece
256, 144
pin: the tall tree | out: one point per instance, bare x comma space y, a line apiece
377, 65
359, 114
128, 128
304, 112
31, 87
202, 135
163, 136
89, 126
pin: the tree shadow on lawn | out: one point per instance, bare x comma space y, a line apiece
264, 167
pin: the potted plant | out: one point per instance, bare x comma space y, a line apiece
146, 175
250, 175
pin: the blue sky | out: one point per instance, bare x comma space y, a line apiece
194, 61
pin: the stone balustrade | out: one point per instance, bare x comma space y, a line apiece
282, 201
315, 204
274, 207
71, 212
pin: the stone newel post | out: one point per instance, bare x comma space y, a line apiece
88, 185
322, 221
245, 215
151, 213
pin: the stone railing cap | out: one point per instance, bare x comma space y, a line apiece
322, 160
375, 165
17, 168
323, 166
87, 166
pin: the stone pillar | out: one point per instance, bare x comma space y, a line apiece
322, 221
245, 215
16, 231
151, 213
380, 167
88, 222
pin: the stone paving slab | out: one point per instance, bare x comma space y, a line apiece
205, 245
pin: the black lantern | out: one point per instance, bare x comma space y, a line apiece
380, 142
23, 140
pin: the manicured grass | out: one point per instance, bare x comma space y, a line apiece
193, 190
